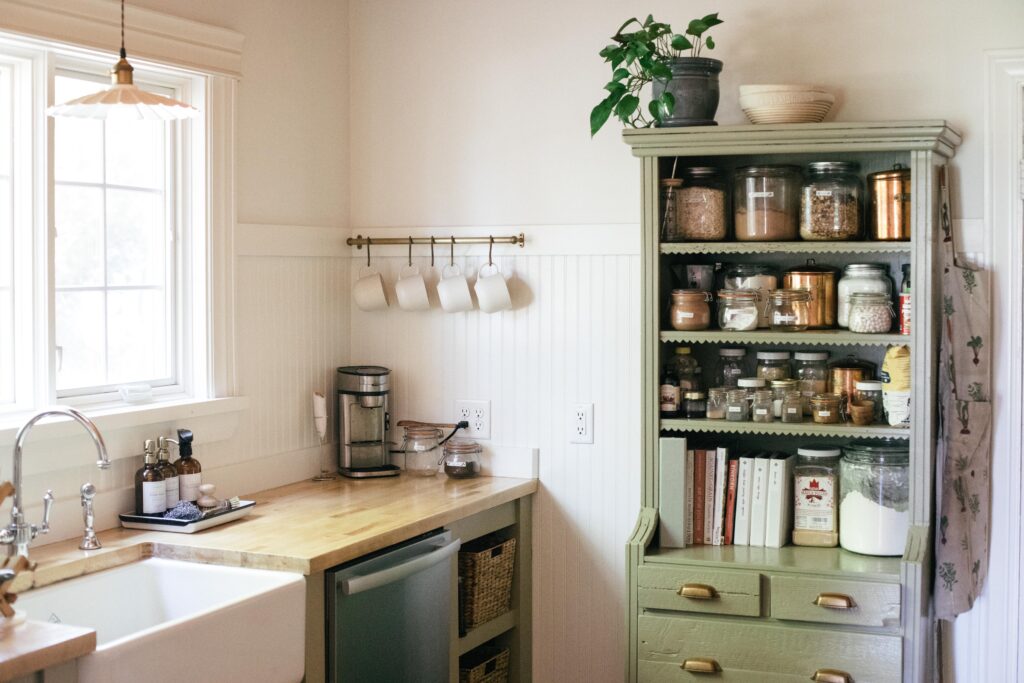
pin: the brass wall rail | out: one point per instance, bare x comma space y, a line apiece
358, 241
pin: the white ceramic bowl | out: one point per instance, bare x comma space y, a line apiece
751, 89
751, 101
785, 114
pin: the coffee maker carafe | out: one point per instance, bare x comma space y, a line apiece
363, 422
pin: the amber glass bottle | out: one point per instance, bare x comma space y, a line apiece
189, 469
150, 490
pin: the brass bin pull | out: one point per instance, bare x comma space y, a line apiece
701, 665
834, 601
698, 591
831, 676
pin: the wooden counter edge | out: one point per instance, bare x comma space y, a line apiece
39, 645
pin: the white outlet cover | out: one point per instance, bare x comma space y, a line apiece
581, 423
478, 415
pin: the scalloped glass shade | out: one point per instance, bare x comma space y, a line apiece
124, 101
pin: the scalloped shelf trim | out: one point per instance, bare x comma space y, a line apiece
809, 338
785, 429
786, 247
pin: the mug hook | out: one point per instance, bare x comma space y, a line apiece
490, 252
451, 257
431, 251
410, 250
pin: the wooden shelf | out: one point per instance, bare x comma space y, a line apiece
808, 338
786, 429
829, 561
785, 248
492, 629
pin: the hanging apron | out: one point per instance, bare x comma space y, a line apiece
965, 418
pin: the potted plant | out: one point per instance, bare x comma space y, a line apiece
684, 89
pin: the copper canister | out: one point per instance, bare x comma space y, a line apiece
820, 281
889, 195
843, 375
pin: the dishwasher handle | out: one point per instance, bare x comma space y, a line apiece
361, 584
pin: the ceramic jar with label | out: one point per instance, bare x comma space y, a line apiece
690, 310
815, 496
830, 202
859, 278
767, 203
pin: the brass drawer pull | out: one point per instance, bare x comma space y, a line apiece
701, 665
834, 601
831, 676
698, 591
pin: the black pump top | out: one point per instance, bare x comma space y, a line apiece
185, 443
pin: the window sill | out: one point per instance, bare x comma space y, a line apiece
219, 416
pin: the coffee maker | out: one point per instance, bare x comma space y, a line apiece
363, 422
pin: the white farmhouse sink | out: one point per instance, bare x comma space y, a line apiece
164, 620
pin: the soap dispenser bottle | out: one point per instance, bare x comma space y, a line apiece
163, 457
189, 469
150, 490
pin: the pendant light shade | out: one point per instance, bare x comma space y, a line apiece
124, 101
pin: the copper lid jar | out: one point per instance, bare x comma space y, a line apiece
820, 281
690, 310
889, 204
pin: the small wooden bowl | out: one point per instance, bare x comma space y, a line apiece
862, 412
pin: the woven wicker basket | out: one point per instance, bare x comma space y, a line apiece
484, 665
485, 580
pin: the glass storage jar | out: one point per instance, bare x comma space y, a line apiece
830, 201
790, 310
700, 205
859, 278
738, 310
737, 407
870, 313
730, 367
685, 369
811, 369
695, 405
871, 390
462, 458
756, 277
874, 509
690, 310
780, 389
815, 499
750, 385
826, 408
669, 211
761, 409
793, 407
422, 449
717, 400
767, 203
772, 365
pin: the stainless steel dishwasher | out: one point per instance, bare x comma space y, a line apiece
389, 613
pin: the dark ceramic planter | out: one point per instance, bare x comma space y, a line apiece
694, 84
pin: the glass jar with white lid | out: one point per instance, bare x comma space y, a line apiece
811, 370
774, 365
816, 496
874, 507
861, 278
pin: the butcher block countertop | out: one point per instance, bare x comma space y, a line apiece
37, 645
304, 527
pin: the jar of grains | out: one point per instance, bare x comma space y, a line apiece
772, 365
811, 369
767, 203
793, 407
825, 408
870, 313
730, 367
859, 278
761, 407
816, 496
737, 310
717, 398
790, 310
830, 201
700, 205
756, 277
874, 507
690, 310
737, 408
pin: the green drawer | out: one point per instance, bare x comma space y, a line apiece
831, 601
699, 589
752, 651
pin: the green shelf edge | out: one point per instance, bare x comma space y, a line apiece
811, 337
832, 562
784, 429
786, 247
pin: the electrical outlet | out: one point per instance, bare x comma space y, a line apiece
581, 423
478, 415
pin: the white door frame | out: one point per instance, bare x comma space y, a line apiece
987, 639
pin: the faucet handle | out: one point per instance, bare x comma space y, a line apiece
44, 528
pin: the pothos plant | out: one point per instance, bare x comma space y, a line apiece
640, 56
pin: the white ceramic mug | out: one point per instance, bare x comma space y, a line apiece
491, 290
453, 290
412, 290
368, 291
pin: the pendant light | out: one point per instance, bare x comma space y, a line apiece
125, 100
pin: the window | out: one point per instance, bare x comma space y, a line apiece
108, 295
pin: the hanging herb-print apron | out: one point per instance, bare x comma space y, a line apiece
962, 532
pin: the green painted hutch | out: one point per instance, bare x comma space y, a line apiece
762, 622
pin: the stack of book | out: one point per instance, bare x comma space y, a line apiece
710, 495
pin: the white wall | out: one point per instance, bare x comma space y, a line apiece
479, 117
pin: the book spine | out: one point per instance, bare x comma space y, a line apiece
689, 497
730, 501
721, 481
699, 466
744, 486
709, 497
773, 530
758, 502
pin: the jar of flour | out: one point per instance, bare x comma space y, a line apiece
874, 508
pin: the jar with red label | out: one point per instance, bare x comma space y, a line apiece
816, 496
905, 300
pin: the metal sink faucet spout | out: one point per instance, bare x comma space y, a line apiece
18, 534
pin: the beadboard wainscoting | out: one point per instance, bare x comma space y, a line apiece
571, 337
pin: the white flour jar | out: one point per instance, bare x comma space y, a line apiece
874, 508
